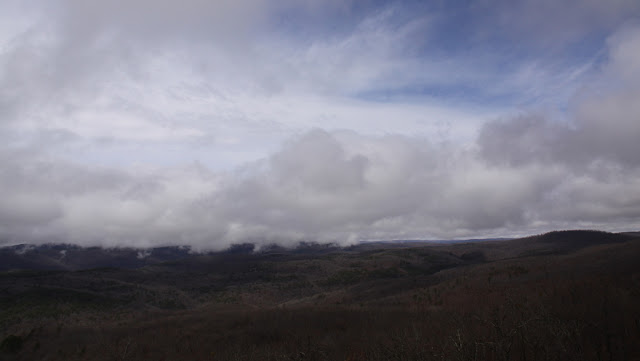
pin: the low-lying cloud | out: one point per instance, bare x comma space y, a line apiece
321, 186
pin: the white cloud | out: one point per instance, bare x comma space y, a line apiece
103, 104
337, 186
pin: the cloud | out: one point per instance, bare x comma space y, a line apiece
624, 49
560, 23
603, 126
48, 199
324, 186
596, 150
206, 123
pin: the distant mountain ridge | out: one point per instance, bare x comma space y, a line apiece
575, 239
73, 257
70, 257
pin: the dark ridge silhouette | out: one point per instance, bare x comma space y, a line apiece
571, 240
581, 237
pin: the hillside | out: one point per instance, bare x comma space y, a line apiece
563, 295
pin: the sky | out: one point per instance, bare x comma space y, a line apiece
208, 123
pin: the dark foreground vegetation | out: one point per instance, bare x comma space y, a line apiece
571, 295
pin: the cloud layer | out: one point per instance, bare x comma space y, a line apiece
209, 124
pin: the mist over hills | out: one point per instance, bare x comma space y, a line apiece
73, 257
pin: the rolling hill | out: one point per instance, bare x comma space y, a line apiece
570, 295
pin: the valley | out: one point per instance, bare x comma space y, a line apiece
570, 295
